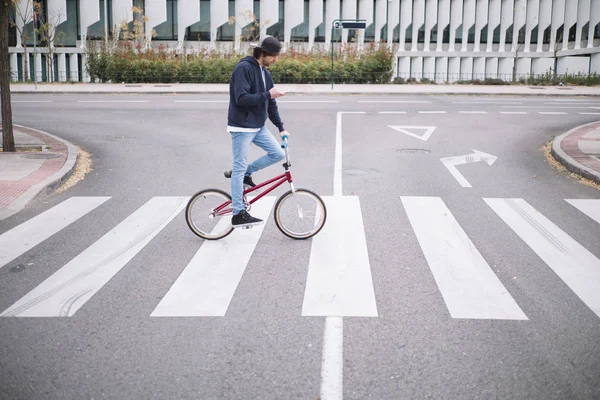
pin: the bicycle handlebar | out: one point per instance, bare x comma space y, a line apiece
285, 143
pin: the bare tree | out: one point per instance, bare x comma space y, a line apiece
49, 37
7, 128
24, 16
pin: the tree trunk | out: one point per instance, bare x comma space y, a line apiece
26, 61
8, 139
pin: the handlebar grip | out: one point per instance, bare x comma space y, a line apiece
285, 143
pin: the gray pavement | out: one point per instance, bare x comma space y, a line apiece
150, 148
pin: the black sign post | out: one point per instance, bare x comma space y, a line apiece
344, 24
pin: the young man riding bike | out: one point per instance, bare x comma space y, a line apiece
251, 100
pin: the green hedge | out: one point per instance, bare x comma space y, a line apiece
122, 63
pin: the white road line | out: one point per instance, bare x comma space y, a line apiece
467, 283
69, 288
29, 234
513, 112
555, 107
589, 104
552, 113
391, 112
332, 361
575, 265
432, 112
590, 207
339, 279
337, 164
589, 113
201, 101
113, 101
307, 101
207, 285
473, 112
396, 101
486, 102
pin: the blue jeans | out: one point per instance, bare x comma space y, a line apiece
241, 144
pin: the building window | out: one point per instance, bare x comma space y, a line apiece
585, 31
276, 30
370, 30
226, 31
534, 35
408, 34
572, 33
40, 19
68, 31
483, 34
547, 33
496, 39
320, 30
168, 29
459, 32
96, 31
597, 31
12, 29
201, 30
300, 33
471, 37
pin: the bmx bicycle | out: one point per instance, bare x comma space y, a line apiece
298, 213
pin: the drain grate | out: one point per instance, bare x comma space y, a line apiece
413, 151
40, 155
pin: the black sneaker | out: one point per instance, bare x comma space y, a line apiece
244, 219
247, 178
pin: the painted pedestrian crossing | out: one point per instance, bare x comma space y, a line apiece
338, 274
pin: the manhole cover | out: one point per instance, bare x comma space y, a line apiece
413, 151
40, 155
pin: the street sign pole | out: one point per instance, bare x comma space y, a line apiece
344, 24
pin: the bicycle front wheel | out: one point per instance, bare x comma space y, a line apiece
202, 217
300, 214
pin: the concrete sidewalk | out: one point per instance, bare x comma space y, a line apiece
412, 89
38, 167
579, 150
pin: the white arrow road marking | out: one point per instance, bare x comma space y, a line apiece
404, 129
452, 162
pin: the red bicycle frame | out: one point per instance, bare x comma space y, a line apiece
280, 179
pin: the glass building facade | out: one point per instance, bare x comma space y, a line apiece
483, 38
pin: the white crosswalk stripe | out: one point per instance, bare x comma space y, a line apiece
206, 286
29, 234
469, 286
590, 207
338, 273
339, 279
575, 265
67, 290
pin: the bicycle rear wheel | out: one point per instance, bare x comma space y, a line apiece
202, 219
300, 215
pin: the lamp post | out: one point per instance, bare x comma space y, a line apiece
344, 24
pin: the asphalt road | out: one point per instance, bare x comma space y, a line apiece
468, 301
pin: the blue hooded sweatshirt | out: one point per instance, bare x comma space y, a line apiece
249, 100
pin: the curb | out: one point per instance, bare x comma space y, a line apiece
48, 185
568, 161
